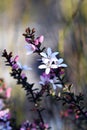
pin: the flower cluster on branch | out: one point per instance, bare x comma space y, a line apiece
51, 81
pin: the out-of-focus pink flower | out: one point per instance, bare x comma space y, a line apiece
46, 126
8, 92
77, 116
1, 90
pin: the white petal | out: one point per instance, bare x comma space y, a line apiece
62, 65
30, 49
43, 54
60, 61
25, 67
45, 60
42, 78
51, 81
54, 54
49, 52
42, 67
41, 83
47, 70
54, 66
19, 64
29, 52
54, 86
59, 85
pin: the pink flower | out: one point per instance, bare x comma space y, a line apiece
1, 90
8, 92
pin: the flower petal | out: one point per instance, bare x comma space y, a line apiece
54, 66
47, 70
30, 49
25, 67
41, 39
49, 52
54, 54
59, 85
45, 60
62, 65
60, 61
42, 67
43, 54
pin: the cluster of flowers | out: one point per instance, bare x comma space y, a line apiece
50, 80
5, 94
33, 126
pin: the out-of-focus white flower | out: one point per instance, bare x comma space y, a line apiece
55, 83
23, 67
30, 49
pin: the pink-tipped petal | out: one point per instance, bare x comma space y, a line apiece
41, 39
16, 58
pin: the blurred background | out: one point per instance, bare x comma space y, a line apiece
64, 26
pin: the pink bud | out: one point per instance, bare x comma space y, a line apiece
16, 58
36, 42
41, 38
15, 66
8, 92
23, 75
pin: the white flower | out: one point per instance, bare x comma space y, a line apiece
48, 66
49, 55
49, 60
30, 49
55, 83
23, 67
